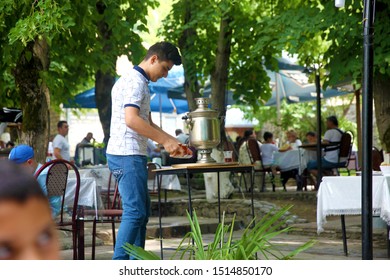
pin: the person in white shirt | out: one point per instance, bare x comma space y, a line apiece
131, 127
293, 142
331, 157
60, 144
268, 148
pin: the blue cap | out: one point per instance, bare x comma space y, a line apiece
21, 154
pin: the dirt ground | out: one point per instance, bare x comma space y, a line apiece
303, 209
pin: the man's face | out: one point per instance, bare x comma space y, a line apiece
64, 129
27, 231
329, 124
89, 136
30, 165
311, 139
159, 69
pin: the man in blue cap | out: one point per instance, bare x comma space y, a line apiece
24, 156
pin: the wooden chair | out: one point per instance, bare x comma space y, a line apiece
255, 156
345, 151
56, 184
377, 159
111, 214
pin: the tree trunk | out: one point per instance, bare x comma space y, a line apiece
103, 86
219, 76
191, 86
104, 81
35, 97
382, 108
219, 79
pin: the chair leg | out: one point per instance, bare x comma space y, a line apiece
273, 182
263, 186
113, 233
74, 241
94, 239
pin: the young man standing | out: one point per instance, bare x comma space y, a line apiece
131, 126
60, 144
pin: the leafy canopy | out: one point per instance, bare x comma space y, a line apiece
77, 48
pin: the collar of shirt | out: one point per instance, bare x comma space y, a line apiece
142, 71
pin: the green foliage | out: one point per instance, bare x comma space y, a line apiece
77, 47
247, 76
256, 239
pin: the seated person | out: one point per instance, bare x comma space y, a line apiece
331, 158
27, 231
181, 137
86, 142
24, 156
293, 142
311, 137
268, 148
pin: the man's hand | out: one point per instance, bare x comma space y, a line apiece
172, 146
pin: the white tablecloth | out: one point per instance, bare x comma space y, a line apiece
89, 195
168, 182
306, 156
288, 160
101, 175
341, 195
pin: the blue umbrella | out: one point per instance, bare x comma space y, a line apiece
294, 87
86, 99
161, 104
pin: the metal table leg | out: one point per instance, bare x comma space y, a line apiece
219, 199
159, 216
252, 194
189, 193
344, 232
388, 241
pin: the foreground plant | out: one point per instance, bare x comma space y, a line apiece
254, 242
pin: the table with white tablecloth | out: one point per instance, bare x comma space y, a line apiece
89, 194
102, 177
288, 160
101, 173
341, 195
168, 182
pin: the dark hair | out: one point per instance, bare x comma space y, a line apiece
61, 123
248, 133
267, 135
165, 52
178, 131
311, 133
17, 184
10, 144
333, 120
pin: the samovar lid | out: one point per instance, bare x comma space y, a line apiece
203, 109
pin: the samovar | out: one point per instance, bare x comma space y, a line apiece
204, 127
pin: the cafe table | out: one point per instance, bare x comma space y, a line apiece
199, 168
342, 195
288, 160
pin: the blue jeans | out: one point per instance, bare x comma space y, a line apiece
132, 176
312, 164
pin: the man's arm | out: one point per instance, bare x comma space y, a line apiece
136, 123
57, 153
